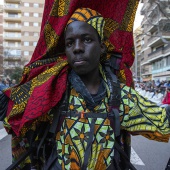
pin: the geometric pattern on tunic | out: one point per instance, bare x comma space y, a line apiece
137, 115
74, 133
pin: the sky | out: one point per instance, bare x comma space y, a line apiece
138, 17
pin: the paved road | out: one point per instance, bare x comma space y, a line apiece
146, 154
5, 149
154, 155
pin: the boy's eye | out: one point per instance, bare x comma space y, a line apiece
87, 40
69, 44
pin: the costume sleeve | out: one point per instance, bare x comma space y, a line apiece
140, 116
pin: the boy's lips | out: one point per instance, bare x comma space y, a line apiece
78, 63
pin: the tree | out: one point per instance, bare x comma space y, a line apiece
17, 73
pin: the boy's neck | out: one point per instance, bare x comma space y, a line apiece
91, 81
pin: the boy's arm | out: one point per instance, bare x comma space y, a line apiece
141, 116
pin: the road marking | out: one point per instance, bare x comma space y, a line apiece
3, 133
135, 158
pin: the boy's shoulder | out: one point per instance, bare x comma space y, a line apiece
127, 89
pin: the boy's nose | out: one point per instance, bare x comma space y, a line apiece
78, 47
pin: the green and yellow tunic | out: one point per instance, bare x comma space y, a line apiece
137, 115
89, 142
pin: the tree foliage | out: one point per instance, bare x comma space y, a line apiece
17, 73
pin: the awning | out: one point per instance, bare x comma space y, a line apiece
147, 79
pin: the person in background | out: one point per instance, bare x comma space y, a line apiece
3, 85
8, 82
13, 83
157, 97
166, 100
157, 83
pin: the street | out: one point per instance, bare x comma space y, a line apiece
146, 154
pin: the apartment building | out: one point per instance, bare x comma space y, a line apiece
31, 12
22, 21
155, 50
1, 40
136, 69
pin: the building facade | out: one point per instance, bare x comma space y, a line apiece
1, 41
22, 21
155, 50
137, 63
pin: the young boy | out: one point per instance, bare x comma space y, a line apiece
86, 133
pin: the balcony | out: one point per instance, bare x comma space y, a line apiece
14, 38
153, 39
144, 62
12, 27
151, 28
12, 7
163, 69
12, 1
12, 17
11, 65
159, 53
155, 23
8, 48
12, 58
145, 6
12, 47
156, 40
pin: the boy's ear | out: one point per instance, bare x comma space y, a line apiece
103, 47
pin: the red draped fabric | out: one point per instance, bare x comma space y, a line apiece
45, 76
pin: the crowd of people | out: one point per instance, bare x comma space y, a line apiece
6, 83
155, 91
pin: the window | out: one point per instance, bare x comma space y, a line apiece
35, 24
164, 62
26, 4
17, 44
168, 61
26, 14
11, 44
15, 52
12, 34
11, 25
26, 53
36, 15
26, 24
5, 44
11, 63
36, 34
34, 44
36, 5
26, 33
13, 15
26, 43
142, 42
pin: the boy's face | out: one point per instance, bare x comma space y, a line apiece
83, 47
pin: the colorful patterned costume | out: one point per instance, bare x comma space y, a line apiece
44, 78
44, 82
137, 115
